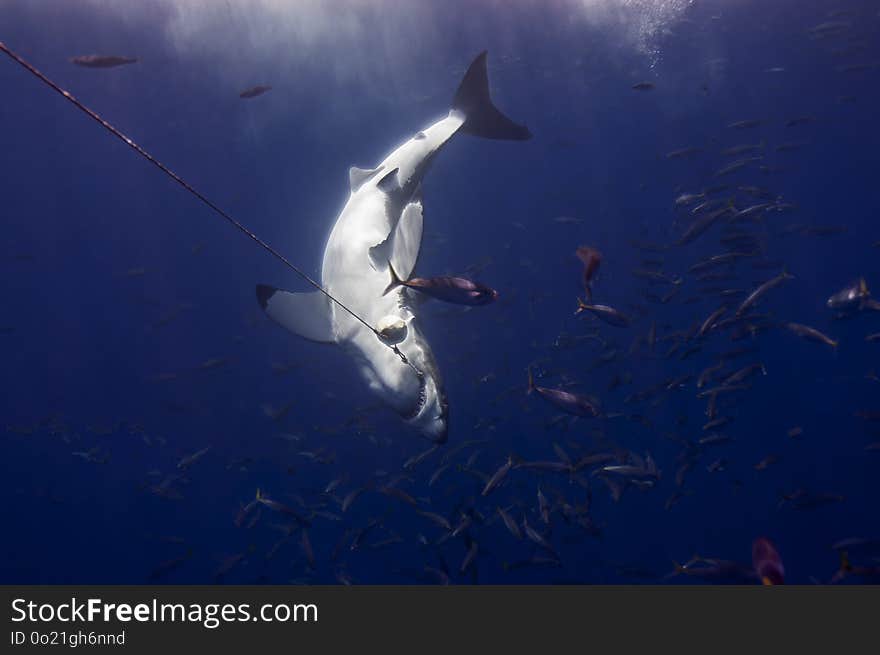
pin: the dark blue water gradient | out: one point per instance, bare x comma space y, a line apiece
87, 335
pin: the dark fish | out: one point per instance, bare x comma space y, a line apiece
674, 499
682, 470
437, 519
390, 541
333, 485
707, 373
708, 205
543, 507
419, 457
351, 497
561, 454
361, 534
571, 403
742, 125
593, 460
254, 91
830, 27
442, 577
466, 521
102, 61
716, 466
758, 192
189, 460
342, 578
640, 469
168, 566
306, 546
702, 224
744, 374
214, 362
657, 276
683, 152
394, 492
800, 120
804, 500
643, 86
440, 471
718, 260
686, 199
742, 149
714, 439
717, 423
275, 506
469, 557
869, 574
767, 563
536, 538
229, 563
724, 388
762, 290
337, 549
812, 334
752, 210
499, 475
591, 259
716, 570
605, 313
457, 290
737, 165
765, 463
510, 524
711, 321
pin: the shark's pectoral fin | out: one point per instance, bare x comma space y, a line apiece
402, 246
304, 314
407, 240
357, 177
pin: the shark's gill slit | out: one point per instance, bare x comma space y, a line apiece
189, 188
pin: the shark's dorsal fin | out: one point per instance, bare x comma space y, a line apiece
304, 314
402, 245
357, 177
389, 182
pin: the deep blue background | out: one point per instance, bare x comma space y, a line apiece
84, 339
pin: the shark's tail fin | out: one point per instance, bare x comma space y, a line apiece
482, 118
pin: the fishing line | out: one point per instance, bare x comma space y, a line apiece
174, 176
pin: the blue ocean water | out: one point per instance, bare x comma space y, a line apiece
131, 337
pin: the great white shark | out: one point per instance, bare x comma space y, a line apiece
381, 225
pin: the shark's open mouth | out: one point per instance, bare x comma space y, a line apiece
420, 402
